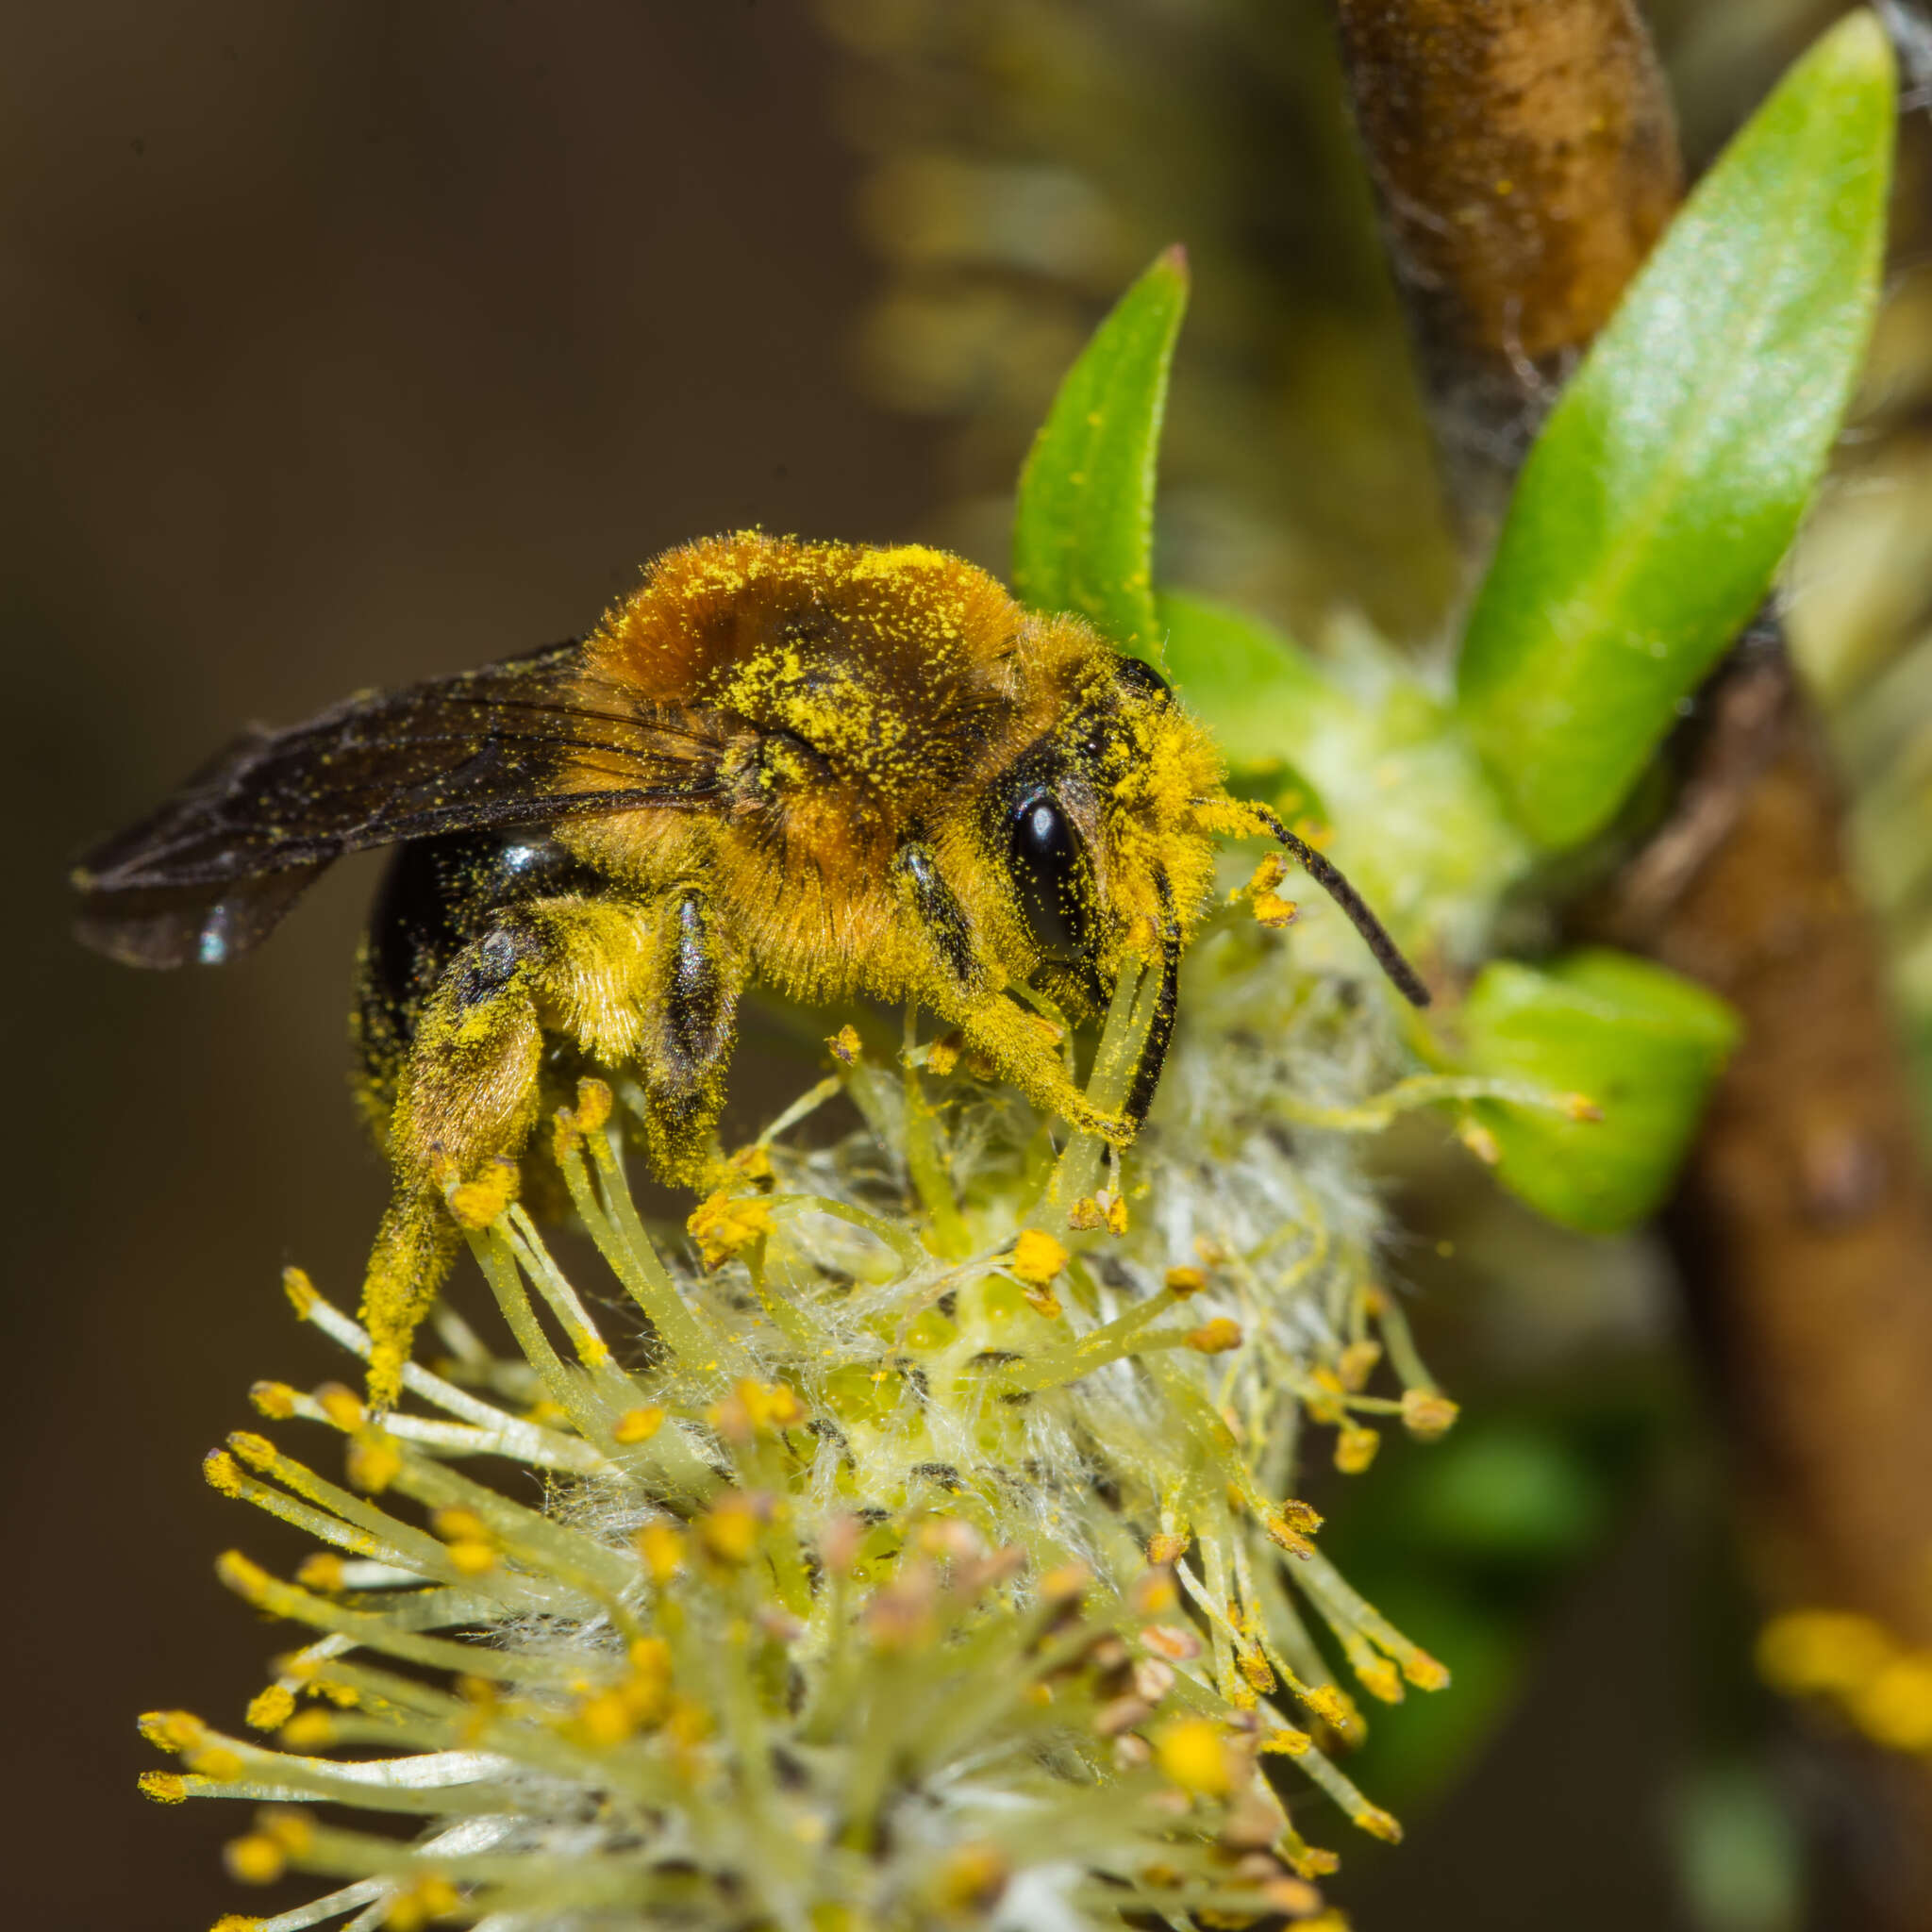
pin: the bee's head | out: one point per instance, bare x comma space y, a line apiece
1099, 828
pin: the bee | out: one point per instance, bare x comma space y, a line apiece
825, 768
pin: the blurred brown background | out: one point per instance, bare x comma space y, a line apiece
349, 344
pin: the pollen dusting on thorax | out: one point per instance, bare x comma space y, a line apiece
847, 698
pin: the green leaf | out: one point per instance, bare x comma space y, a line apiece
1640, 1044
1669, 481
1083, 534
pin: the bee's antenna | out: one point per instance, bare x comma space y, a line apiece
1329, 878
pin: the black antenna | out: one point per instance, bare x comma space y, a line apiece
1328, 876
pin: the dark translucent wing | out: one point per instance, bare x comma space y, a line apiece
213, 869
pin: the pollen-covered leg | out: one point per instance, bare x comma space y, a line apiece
963, 990
690, 1023
467, 1092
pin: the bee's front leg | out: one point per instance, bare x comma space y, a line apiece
961, 987
467, 1089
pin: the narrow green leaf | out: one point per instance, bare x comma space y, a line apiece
1083, 535
1668, 480
1640, 1044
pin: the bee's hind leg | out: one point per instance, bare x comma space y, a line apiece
467, 1086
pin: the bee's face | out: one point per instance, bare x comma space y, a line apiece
1097, 828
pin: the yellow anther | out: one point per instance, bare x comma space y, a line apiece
1037, 1256
729, 1528
459, 1525
322, 1570
637, 1424
1894, 1708
270, 1709
1355, 1449
970, 1880
174, 1730
1805, 1651
1427, 1413
255, 1859
1273, 911
942, 1056
342, 1407
1194, 1755
1379, 1824
470, 1557
845, 1045
222, 1472
478, 1203
275, 1400
221, 1763
1167, 1548
1065, 1584
594, 1106
1424, 1672
300, 1290
1480, 1141
257, 1452
662, 1549
1355, 1365
293, 1829
770, 1406
1085, 1215
1173, 1642
164, 1787
1287, 1743
1216, 1337
237, 1921
373, 1461
725, 1224
309, 1730
1182, 1282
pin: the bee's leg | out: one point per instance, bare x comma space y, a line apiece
689, 1022
467, 1089
1019, 1044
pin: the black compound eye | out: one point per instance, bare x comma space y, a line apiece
1141, 676
1051, 878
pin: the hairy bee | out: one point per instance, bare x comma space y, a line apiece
826, 769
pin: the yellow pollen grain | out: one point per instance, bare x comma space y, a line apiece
478, 1203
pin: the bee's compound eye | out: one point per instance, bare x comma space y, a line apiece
1138, 674
1050, 876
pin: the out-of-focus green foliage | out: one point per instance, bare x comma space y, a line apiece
1639, 1045
1668, 480
1083, 534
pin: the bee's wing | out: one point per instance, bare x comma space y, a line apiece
213, 869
